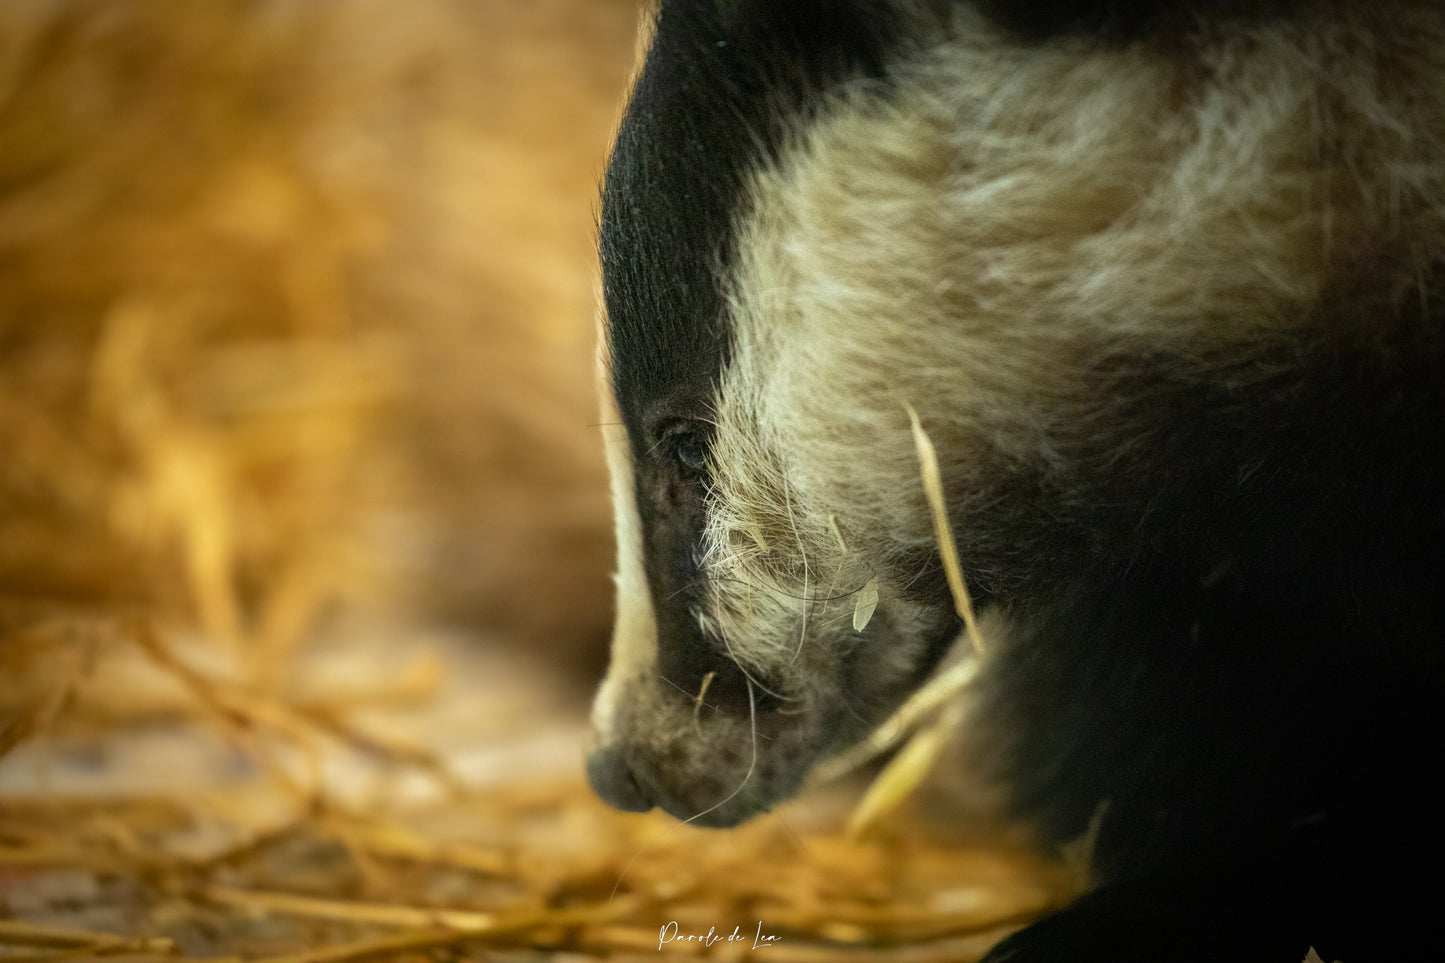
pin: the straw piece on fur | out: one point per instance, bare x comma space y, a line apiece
947, 550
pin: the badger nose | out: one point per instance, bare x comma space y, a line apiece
613, 779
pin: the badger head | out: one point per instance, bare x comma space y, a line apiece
1090, 265
736, 661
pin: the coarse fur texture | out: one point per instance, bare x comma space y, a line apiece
1163, 283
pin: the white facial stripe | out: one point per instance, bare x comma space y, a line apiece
634, 637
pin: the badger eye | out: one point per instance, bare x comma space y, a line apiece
690, 449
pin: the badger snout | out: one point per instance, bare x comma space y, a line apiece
706, 762
721, 796
612, 778
711, 803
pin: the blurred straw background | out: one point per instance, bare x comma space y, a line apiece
304, 542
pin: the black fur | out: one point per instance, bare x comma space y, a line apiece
1230, 655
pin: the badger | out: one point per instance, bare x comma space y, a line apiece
1163, 284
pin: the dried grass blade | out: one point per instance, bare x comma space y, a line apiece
947, 549
940, 690
455, 921
903, 774
381, 947
316, 907
17, 933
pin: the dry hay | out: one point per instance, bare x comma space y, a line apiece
278, 847
295, 324
329, 884
295, 305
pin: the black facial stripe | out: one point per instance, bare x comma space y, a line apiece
723, 85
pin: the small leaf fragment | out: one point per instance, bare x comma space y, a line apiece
864, 605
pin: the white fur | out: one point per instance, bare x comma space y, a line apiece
634, 637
